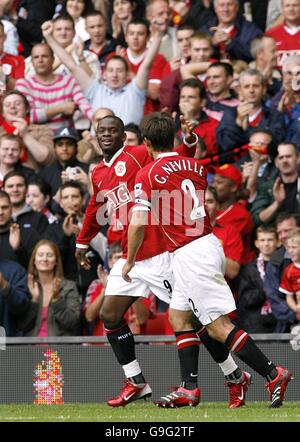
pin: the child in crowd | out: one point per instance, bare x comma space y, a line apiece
290, 282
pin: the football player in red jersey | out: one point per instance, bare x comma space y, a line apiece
198, 258
113, 182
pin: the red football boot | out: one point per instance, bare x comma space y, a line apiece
237, 391
277, 387
180, 397
129, 393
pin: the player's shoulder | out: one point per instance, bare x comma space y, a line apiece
138, 153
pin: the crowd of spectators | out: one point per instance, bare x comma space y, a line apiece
230, 67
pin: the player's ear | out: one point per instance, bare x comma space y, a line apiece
146, 142
124, 137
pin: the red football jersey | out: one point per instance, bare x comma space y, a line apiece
113, 185
290, 282
159, 70
173, 189
286, 43
231, 241
17, 65
237, 216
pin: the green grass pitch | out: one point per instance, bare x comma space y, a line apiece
147, 412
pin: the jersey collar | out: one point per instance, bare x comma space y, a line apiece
113, 159
167, 154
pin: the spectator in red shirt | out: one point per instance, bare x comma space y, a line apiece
137, 35
227, 181
290, 282
191, 103
12, 66
200, 51
229, 237
287, 34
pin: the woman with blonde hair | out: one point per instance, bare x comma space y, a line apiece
55, 302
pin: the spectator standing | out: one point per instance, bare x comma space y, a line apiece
14, 295
53, 98
66, 166
159, 11
64, 32
38, 197
231, 33
30, 16
64, 231
125, 100
287, 34
13, 63
137, 34
254, 312
227, 181
55, 303
280, 194
16, 239
15, 185
99, 42
285, 317
236, 127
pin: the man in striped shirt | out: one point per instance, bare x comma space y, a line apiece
53, 98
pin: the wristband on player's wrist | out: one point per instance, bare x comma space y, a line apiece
191, 144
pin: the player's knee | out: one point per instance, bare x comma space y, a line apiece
110, 318
179, 321
217, 333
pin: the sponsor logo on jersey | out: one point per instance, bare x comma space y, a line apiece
119, 196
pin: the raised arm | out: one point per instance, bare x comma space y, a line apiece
143, 72
76, 70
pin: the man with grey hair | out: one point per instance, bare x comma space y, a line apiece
237, 126
231, 33
263, 50
287, 34
285, 97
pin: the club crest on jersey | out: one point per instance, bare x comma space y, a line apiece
120, 168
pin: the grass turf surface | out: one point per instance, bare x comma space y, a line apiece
147, 412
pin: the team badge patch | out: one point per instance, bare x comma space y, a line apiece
120, 168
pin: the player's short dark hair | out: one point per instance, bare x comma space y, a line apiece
185, 27
115, 118
194, 84
159, 129
228, 69
13, 173
74, 185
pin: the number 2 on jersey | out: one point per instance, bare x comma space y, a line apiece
198, 210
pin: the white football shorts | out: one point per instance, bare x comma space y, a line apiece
150, 275
200, 285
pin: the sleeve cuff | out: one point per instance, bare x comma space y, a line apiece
82, 246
